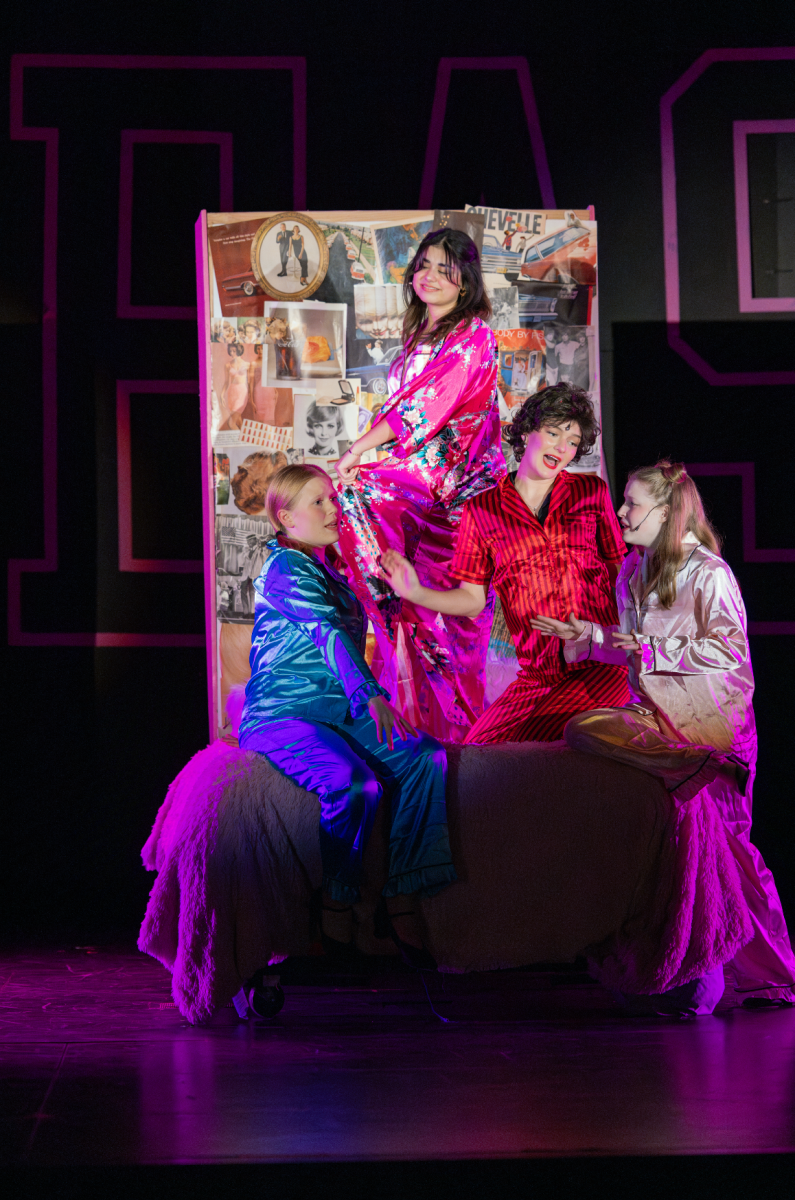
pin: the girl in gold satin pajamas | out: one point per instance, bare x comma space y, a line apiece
683, 629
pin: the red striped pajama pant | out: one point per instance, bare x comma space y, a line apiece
537, 709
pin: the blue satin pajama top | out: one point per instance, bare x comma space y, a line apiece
307, 645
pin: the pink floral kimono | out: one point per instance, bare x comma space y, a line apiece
446, 450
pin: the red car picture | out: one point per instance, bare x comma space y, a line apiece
568, 255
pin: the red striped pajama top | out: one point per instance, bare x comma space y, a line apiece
553, 568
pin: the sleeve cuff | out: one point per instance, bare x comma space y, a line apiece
579, 649
647, 663
393, 420
363, 695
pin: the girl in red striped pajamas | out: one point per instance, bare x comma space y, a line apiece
549, 542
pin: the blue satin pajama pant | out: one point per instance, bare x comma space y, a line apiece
349, 770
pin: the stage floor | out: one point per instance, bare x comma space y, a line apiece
99, 1068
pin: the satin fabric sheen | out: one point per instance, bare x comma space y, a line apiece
306, 711
307, 644
693, 689
349, 770
446, 450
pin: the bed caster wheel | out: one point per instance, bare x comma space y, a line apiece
264, 994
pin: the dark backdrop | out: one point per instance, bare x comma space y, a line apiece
98, 732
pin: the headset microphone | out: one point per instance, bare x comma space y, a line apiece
635, 528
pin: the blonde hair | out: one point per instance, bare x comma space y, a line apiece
286, 486
669, 483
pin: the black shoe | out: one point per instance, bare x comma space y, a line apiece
281, 274
332, 947
418, 957
264, 999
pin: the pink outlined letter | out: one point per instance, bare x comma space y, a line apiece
124, 389
670, 227
748, 301
21, 132
519, 65
129, 137
751, 552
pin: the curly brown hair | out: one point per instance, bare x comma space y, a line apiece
250, 480
554, 406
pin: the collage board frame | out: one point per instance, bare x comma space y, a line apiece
299, 320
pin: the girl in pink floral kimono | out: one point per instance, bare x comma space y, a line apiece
682, 627
442, 425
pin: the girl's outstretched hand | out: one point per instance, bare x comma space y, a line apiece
399, 574
626, 641
388, 722
573, 628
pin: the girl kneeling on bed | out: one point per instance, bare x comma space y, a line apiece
682, 628
314, 709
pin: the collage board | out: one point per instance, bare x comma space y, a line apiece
304, 321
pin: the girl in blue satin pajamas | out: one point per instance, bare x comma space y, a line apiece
315, 711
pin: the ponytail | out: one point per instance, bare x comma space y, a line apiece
669, 483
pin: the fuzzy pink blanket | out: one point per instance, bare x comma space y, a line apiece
558, 854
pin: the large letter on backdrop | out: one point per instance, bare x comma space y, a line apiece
133, 361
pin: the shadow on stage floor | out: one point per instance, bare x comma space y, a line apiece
530, 1068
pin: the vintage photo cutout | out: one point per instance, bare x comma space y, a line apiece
572, 357
319, 427
266, 437
223, 329
471, 223
240, 551
506, 234
304, 342
250, 471
505, 306
568, 355
246, 330
378, 311
396, 246
566, 253
236, 370
328, 420
521, 367
351, 252
232, 366
547, 301
370, 360
289, 256
221, 465
239, 290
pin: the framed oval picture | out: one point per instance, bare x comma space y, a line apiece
289, 256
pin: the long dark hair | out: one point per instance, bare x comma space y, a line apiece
461, 253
